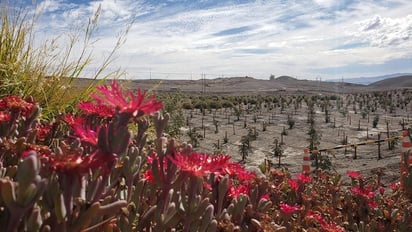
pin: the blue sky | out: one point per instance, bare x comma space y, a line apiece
180, 39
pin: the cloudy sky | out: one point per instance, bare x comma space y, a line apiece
307, 39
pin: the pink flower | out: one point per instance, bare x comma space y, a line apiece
365, 192
42, 131
71, 120
85, 134
381, 190
328, 227
93, 109
70, 164
197, 164
16, 102
395, 185
293, 184
264, 197
4, 116
236, 170
372, 204
129, 102
78, 164
288, 209
148, 175
236, 191
354, 174
314, 215
303, 178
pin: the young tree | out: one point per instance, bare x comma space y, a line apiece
277, 151
244, 147
291, 121
314, 136
375, 121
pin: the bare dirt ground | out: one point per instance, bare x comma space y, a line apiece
297, 139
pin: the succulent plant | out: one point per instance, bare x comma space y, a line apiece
111, 167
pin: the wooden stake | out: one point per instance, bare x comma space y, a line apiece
388, 135
379, 146
367, 133
346, 142
355, 156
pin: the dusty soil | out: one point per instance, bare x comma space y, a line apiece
297, 139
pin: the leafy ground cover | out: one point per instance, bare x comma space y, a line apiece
109, 167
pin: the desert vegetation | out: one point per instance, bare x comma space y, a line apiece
250, 123
110, 158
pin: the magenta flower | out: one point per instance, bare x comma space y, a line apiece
4, 116
129, 102
71, 120
236, 191
197, 164
81, 130
265, 197
42, 131
328, 227
354, 174
303, 178
365, 192
70, 164
289, 209
148, 175
372, 204
381, 190
16, 102
236, 170
100, 110
395, 185
293, 184
86, 134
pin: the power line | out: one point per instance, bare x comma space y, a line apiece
190, 75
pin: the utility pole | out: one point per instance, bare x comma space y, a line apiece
203, 83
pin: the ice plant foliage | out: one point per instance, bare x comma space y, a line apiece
91, 173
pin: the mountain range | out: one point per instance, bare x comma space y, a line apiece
369, 80
250, 85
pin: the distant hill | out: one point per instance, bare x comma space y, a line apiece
369, 80
250, 85
394, 82
285, 78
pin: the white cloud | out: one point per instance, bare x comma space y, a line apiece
256, 38
384, 32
